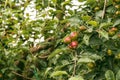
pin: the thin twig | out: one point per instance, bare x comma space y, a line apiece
43, 57
105, 3
21, 75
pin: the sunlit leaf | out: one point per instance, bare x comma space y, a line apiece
58, 73
109, 75
57, 51
118, 75
86, 39
104, 34
85, 60
93, 23
47, 70
89, 30
76, 78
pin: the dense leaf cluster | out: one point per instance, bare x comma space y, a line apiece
34, 49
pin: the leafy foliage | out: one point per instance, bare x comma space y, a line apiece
34, 49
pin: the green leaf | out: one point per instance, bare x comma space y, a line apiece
60, 67
109, 75
86, 39
58, 73
111, 10
65, 3
95, 57
85, 60
91, 1
89, 30
117, 22
109, 2
103, 33
57, 51
47, 70
70, 12
76, 78
4, 70
99, 13
106, 24
91, 55
74, 21
81, 0
95, 40
36, 74
118, 75
58, 11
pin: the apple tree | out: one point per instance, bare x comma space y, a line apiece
62, 42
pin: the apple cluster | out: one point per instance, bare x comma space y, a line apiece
71, 40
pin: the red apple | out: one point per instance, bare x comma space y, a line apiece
73, 44
67, 39
114, 29
74, 35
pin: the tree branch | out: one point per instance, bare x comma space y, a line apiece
21, 75
105, 3
40, 47
75, 64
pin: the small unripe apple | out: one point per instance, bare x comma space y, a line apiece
73, 35
82, 28
96, 8
73, 44
111, 33
109, 52
118, 35
67, 39
117, 56
117, 6
117, 12
1, 75
91, 65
